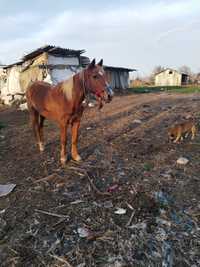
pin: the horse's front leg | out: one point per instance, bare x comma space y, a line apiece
74, 151
63, 140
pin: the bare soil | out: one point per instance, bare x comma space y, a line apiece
69, 219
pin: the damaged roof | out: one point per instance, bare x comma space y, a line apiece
170, 69
53, 50
118, 68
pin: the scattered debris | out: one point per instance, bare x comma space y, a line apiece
6, 189
142, 226
78, 201
60, 259
2, 211
83, 232
113, 188
137, 121
23, 107
182, 161
120, 211
52, 214
54, 177
91, 105
159, 221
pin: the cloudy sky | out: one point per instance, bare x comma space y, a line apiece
137, 34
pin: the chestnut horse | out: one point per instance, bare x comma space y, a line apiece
63, 104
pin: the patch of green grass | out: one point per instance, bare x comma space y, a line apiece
171, 89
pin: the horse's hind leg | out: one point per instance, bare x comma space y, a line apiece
34, 117
41, 135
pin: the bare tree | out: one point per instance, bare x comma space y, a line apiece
185, 69
157, 69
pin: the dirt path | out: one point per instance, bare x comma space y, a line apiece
117, 152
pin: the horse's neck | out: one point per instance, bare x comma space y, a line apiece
67, 88
73, 88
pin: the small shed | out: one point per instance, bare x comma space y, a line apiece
50, 63
118, 77
170, 77
2, 75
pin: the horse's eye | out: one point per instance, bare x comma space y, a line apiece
95, 76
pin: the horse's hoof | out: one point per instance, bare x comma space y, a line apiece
77, 158
41, 147
63, 161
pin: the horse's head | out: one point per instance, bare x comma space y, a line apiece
96, 83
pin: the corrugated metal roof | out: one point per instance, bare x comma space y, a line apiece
84, 61
118, 68
53, 50
13, 64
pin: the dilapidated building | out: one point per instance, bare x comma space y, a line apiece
49, 63
170, 77
118, 77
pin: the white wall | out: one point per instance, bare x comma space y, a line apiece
61, 74
52, 60
166, 79
13, 85
58, 75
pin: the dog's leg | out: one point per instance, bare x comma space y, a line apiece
186, 135
193, 130
178, 138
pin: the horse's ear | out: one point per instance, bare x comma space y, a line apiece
100, 63
92, 64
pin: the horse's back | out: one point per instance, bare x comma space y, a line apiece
37, 94
37, 87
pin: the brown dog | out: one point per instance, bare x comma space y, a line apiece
176, 132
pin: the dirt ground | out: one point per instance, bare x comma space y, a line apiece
128, 203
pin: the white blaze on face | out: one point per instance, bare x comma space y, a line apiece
68, 88
101, 72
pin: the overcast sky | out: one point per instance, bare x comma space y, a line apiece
137, 34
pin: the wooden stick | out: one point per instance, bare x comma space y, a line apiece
61, 260
131, 218
48, 178
91, 182
60, 221
96, 189
52, 214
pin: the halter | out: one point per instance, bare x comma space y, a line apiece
86, 90
82, 77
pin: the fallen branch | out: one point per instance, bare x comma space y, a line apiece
61, 260
131, 218
90, 181
95, 188
59, 222
50, 177
52, 214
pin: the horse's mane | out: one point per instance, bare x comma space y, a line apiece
67, 87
